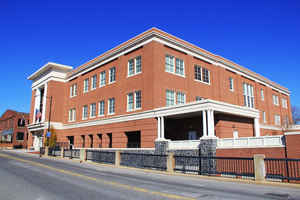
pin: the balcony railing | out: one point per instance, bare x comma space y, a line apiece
249, 142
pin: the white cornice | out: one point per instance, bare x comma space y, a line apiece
269, 127
163, 112
48, 66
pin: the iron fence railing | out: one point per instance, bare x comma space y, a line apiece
72, 153
215, 165
281, 168
100, 156
142, 160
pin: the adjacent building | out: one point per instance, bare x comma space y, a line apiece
154, 87
13, 131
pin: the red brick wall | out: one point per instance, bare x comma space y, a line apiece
9, 120
293, 145
277, 152
148, 128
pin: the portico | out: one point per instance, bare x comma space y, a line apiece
198, 120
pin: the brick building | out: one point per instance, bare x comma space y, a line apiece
154, 87
13, 131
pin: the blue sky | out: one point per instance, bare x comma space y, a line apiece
263, 36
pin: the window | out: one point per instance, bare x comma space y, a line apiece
73, 90
264, 116
93, 110
131, 67
231, 86
179, 67
248, 95
134, 66
85, 112
130, 102
86, 85
102, 78
138, 99
202, 74
138, 64
284, 103
262, 95
277, 120
180, 98
94, 82
101, 108
111, 106
199, 98
134, 101
169, 64
72, 115
112, 74
170, 98
275, 100
20, 136
21, 122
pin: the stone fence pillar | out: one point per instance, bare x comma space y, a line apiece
259, 167
82, 155
117, 158
170, 162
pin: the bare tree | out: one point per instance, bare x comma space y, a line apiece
296, 114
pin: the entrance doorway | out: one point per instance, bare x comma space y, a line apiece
71, 141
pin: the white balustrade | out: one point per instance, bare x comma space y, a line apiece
250, 142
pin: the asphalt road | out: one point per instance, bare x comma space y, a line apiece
28, 177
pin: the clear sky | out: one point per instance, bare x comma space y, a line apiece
263, 36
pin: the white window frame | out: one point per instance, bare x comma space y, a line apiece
72, 115
231, 84
180, 96
114, 69
264, 117
277, 120
86, 85
172, 98
73, 90
248, 93
262, 94
181, 71
93, 109
171, 65
275, 100
84, 117
284, 103
135, 100
94, 82
130, 102
101, 106
109, 105
132, 66
196, 77
102, 79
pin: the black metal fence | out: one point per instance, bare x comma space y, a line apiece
281, 168
101, 156
142, 160
54, 151
72, 153
238, 167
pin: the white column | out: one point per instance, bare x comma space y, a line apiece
162, 128
44, 103
204, 123
37, 97
158, 128
256, 127
211, 123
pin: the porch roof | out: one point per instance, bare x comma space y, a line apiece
207, 104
